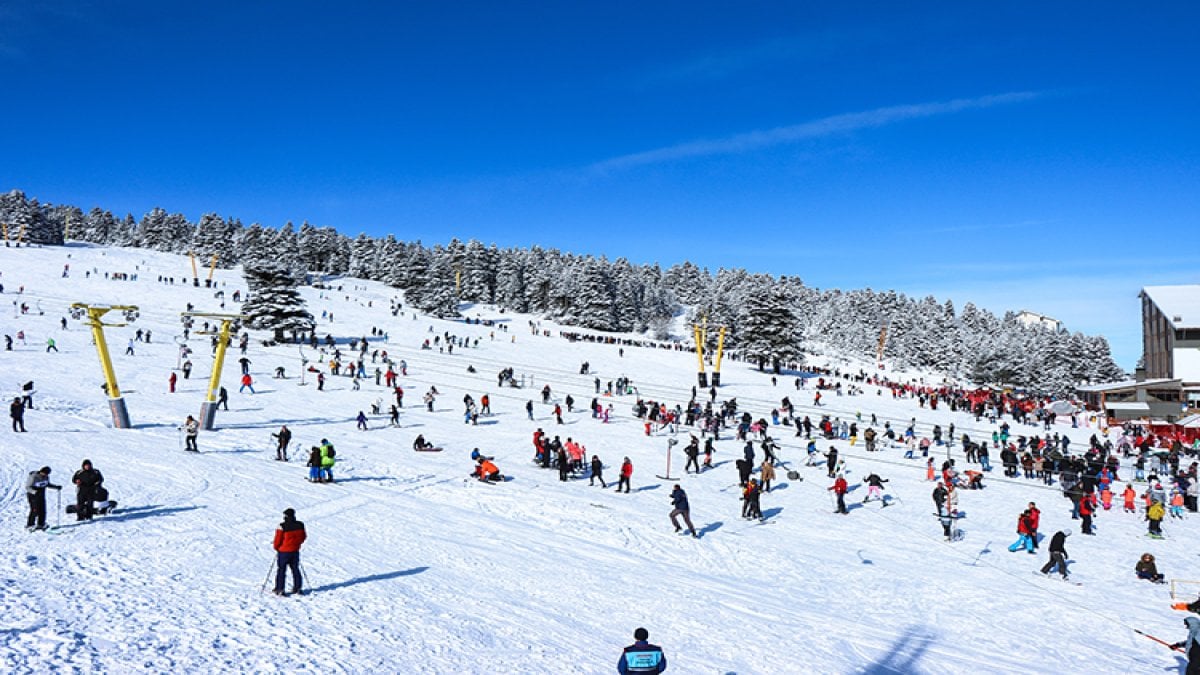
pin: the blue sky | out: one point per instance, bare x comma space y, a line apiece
1009, 154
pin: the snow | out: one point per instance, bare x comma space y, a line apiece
416, 569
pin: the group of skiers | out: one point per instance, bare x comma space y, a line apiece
91, 497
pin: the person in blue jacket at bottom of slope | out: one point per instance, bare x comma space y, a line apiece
641, 656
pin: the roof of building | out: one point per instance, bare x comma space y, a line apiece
1126, 385
1130, 406
1180, 304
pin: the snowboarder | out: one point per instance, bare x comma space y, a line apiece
486, 471
1058, 554
839, 488
314, 465
35, 491
643, 657
191, 428
679, 501
289, 536
328, 459
625, 475
284, 436
1024, 533
87, 481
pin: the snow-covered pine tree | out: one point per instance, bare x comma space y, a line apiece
594, 305
214, 236
99, 227
274, 302
362, 256
768, 330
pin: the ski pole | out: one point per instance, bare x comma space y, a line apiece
268, 579
58, 510
304, 577
1161, 642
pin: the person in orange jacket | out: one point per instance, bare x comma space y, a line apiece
1130, 495
1106, 498
289, 536
839, 488
487, 471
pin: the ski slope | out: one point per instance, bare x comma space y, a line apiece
415, 569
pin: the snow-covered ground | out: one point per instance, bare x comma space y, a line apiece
415, 569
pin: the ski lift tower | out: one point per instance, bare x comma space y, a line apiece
208, 409
95, 320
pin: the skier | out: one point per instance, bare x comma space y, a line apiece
1191, 646
1058, 554
625, 475
750, 500
16, 410
187, 369
362, 420
191, 428
1024, 533
247, 381
874, 488
289, 536
328, 459
394, 419
679, 501
597, 472
643, 657
285, 437
171, 382
839, 488
529, 409
223, 398
314, 465
1154, 515
831, 460
87, 481
35, 491
1087, 508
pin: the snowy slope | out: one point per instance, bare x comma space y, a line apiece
416, 569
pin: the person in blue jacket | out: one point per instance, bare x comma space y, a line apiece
641, 656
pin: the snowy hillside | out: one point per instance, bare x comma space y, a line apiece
415, 569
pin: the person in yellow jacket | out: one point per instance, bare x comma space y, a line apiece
328, 455
1155, 515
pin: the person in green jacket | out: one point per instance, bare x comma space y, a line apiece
327, 461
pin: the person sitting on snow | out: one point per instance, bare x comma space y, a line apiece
486, 471
1147, 569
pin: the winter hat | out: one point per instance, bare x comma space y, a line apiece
289, 513
641, 634
45, 469
87, 463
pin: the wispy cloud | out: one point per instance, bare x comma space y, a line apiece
826, 126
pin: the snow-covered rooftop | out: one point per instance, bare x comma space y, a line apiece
1125, 384
1180, 304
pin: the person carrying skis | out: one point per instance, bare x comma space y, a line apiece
35, 491
679, 501
1058, 554
191, 428
87, 480
1191, 646
284, 436
641, 656
289, 536
625, 475
839, 488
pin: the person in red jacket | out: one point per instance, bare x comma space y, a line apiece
1035, 521
839, 488
626, 474
1087, 509
289, 536
1024, 536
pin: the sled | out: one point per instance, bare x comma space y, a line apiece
428, 449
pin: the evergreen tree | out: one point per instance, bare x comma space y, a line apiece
274, 303
768, 329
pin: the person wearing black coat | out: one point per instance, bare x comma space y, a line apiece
744, 469
597, 472
87, 480
1058, 554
